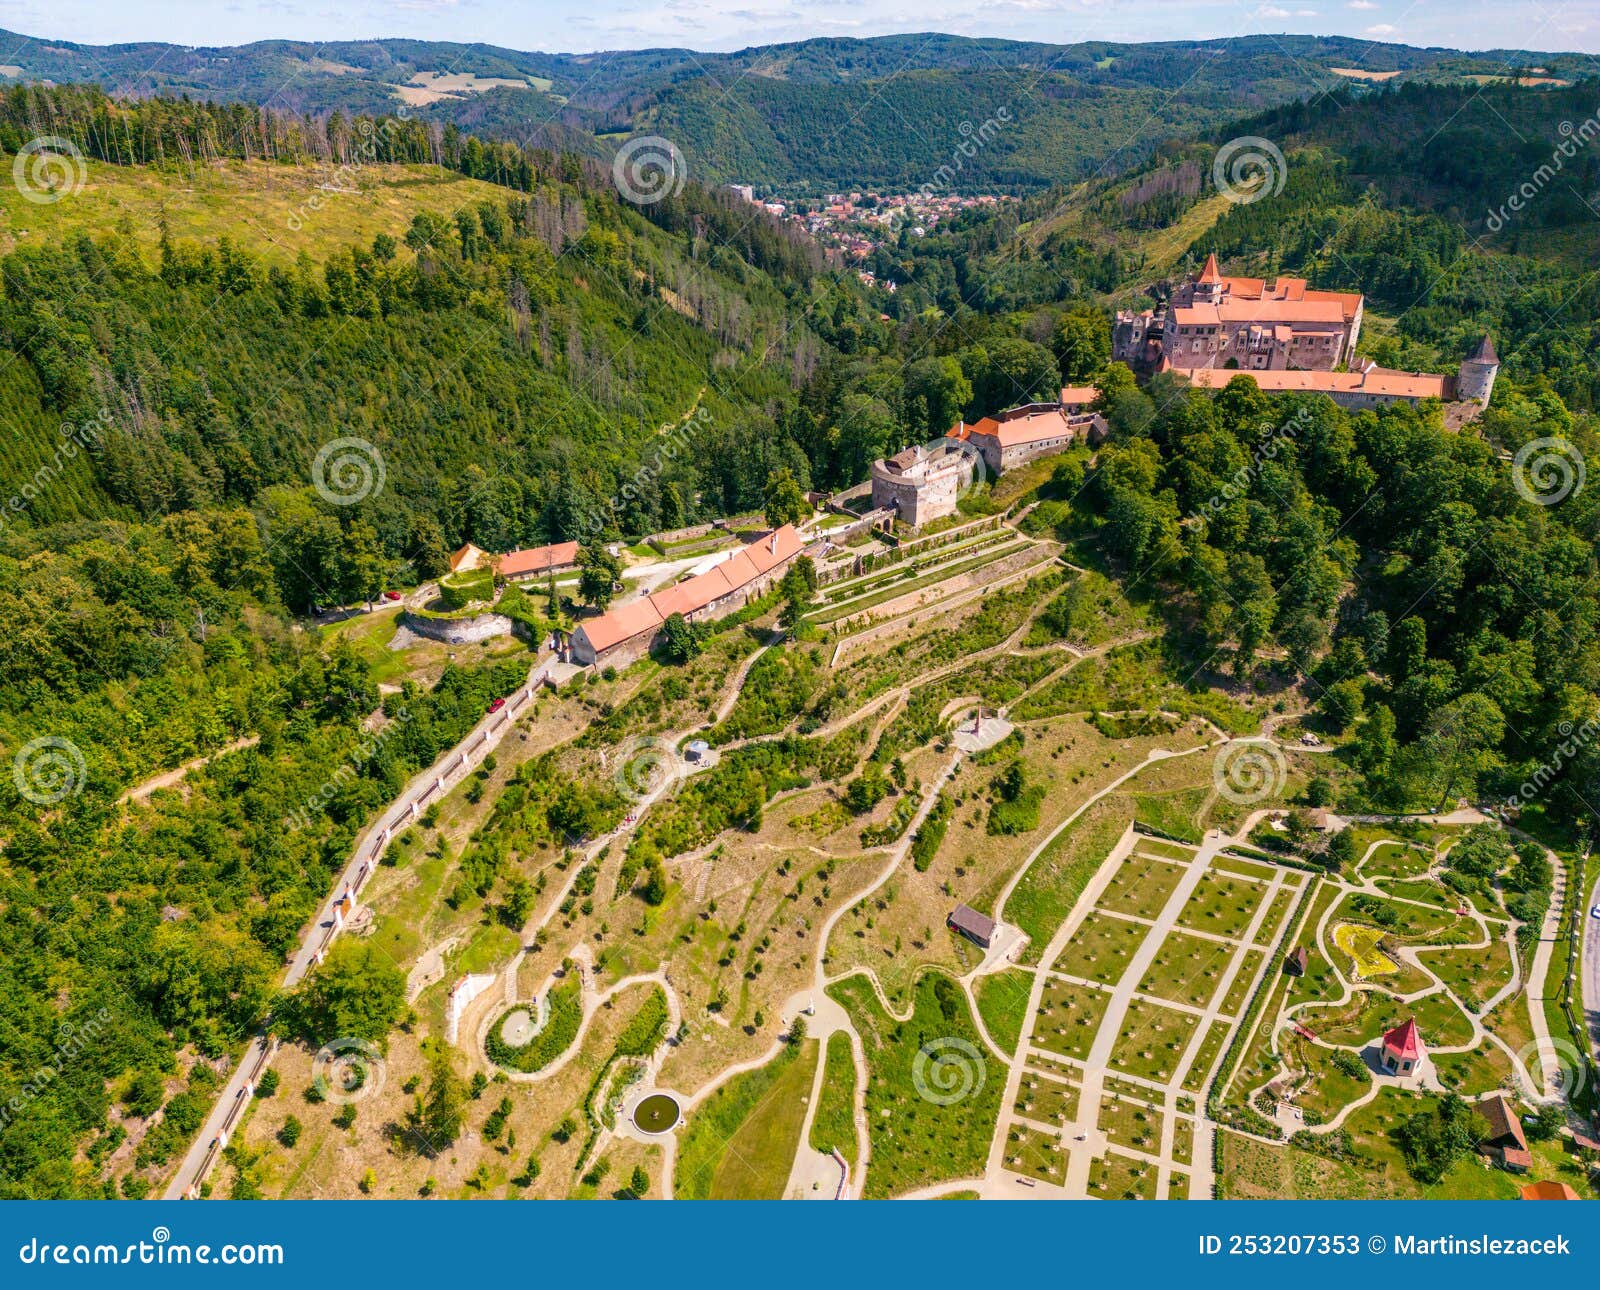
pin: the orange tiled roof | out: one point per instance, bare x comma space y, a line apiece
1377, 381
1549, 1191
1011, 431
621, 624
724, 579
536, 559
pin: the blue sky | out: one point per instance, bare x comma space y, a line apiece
580, 25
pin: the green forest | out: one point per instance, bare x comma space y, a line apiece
514, 372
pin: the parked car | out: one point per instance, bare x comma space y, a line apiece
1594, 912
391, 595
497, 705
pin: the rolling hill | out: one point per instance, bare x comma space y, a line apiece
887, 111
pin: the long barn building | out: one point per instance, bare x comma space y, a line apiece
628, 631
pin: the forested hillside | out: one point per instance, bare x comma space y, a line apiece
884, 111
509, 372
1390, 194
510, 363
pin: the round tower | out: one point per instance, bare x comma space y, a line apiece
1475, 377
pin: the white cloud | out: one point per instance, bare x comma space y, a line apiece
1271, 11
1382, 29
1362, 4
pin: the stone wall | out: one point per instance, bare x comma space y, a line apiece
458, 631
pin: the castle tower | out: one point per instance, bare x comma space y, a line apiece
1208, 287
1475, 377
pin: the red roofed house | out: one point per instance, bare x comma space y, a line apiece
1369, 386
1009, 439
1402, 1049
536, 561
1549, 1191
626, 632
1505, 1143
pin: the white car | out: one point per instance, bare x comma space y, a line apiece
1594, 911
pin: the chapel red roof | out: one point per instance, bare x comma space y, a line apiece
1403, 1040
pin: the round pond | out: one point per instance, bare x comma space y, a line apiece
657, 1113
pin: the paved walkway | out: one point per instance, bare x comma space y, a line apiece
423, 789
1591, 965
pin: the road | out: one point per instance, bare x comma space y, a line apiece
422, 789
1591, 965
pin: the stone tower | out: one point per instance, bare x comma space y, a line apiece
1208, 287
1475, 377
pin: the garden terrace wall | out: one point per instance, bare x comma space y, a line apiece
469, 630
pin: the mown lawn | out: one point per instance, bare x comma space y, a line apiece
1003, 1004
1045, 896
834, 1125
917, 1142
739, 1143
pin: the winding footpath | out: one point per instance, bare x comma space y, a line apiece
319, 934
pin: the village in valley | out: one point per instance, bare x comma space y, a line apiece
892, 858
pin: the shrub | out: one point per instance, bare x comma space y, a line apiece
461, 589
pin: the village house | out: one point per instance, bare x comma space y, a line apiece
977, 928
528, 562
1241, 323
627, 631
1505, 1143
1549, 1191
535, 562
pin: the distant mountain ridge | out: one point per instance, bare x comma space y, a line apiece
827, 112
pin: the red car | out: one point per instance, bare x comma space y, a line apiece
391, 595
497, 705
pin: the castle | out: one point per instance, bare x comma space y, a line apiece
1369, 386
1241, 323
924, 483
1287, 338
